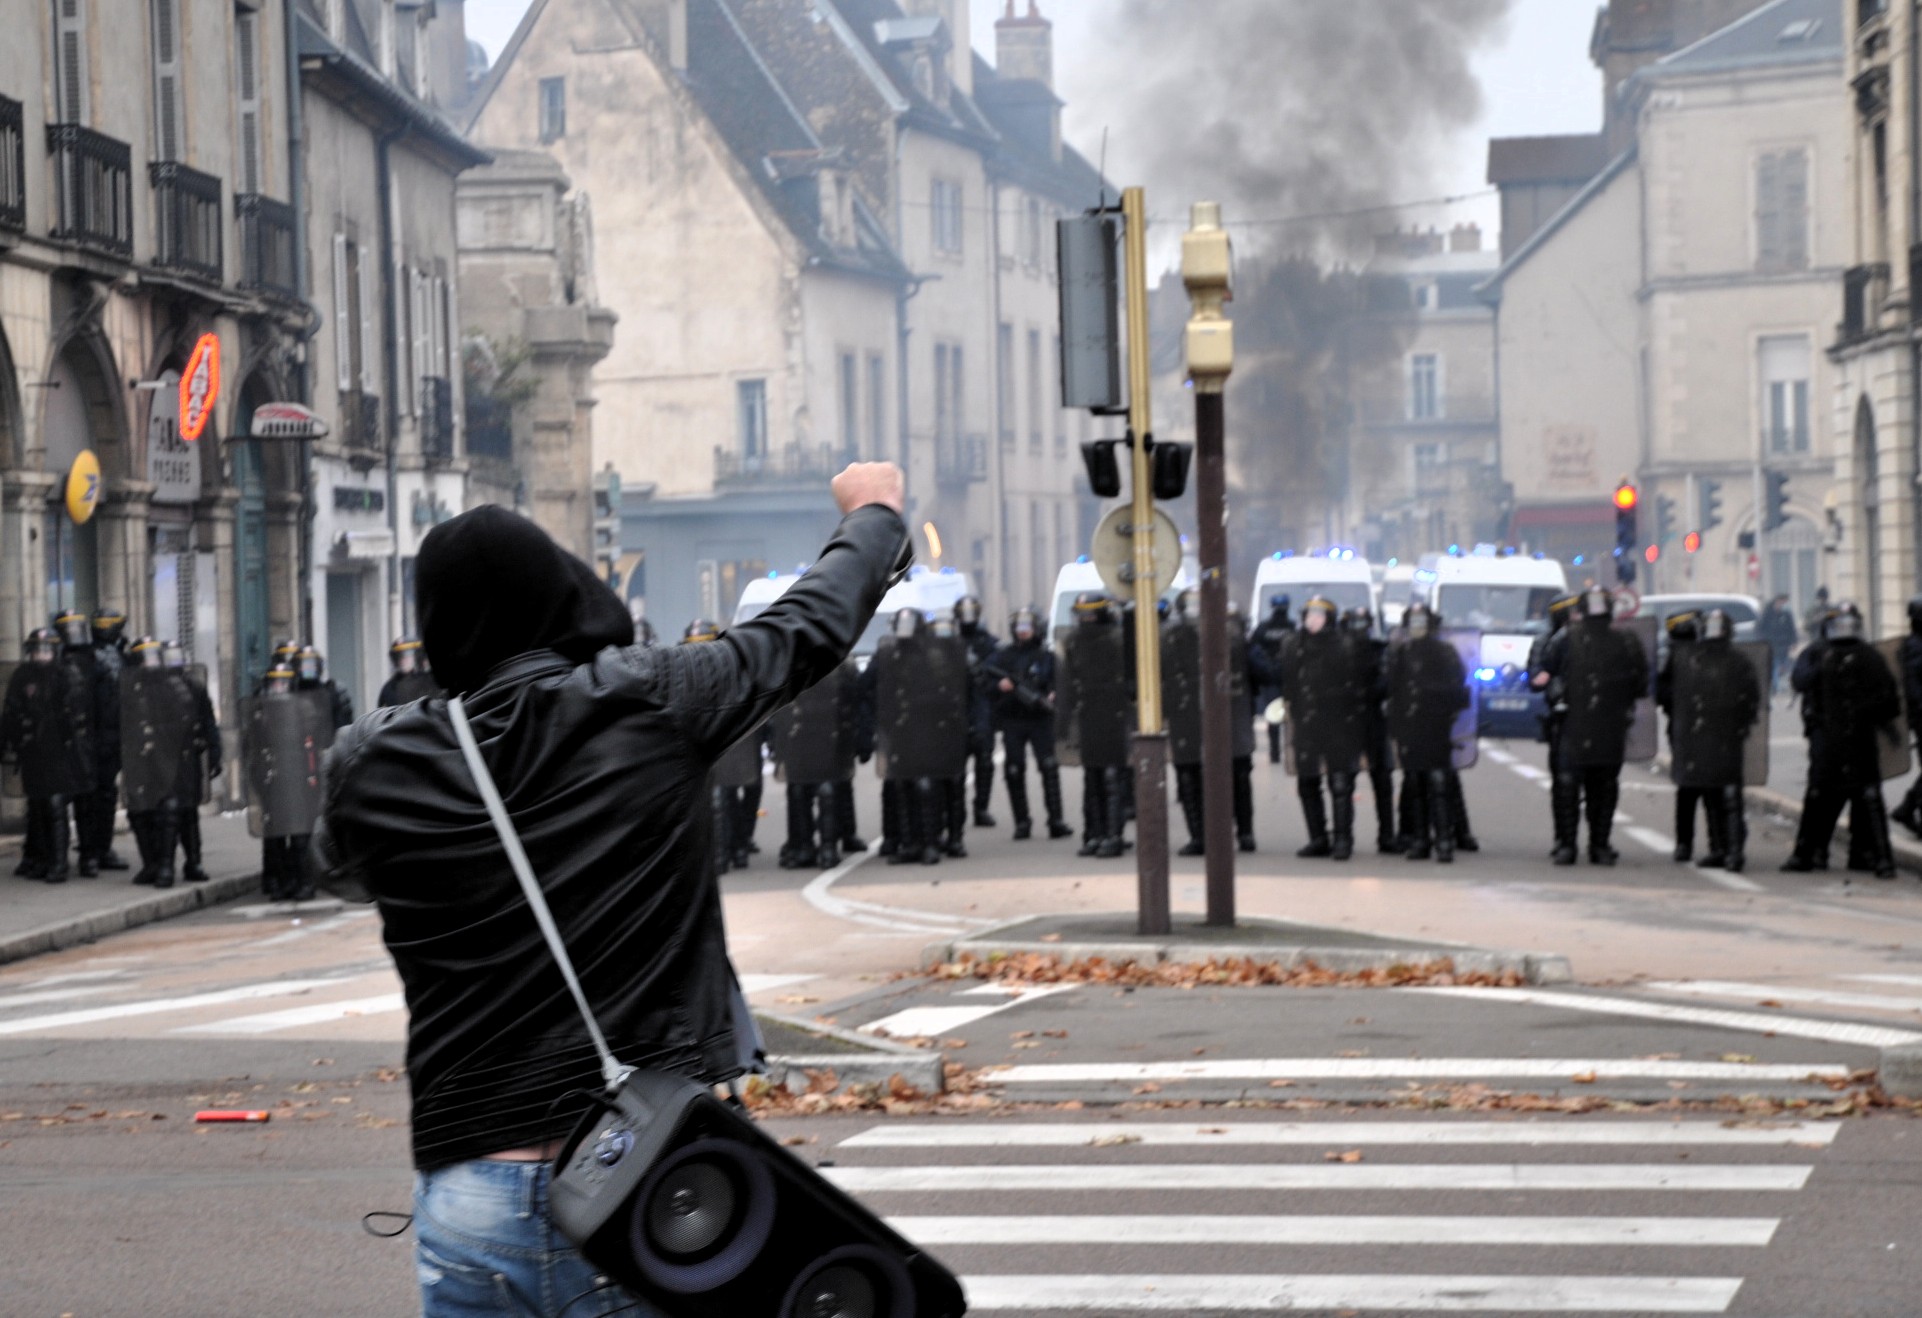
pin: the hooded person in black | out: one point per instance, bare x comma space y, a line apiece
601, 750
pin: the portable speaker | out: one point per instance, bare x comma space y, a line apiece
686, 1203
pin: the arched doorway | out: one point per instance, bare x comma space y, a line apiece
78, 414
1868, 466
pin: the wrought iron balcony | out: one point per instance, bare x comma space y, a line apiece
1867, 11
13, 166
187, 229
960, 459
1862, 290
93, 189
266, 243
792, 465
360, 421
437, 419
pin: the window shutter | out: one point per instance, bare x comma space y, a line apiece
343, 331
70, 30
1795, 209
439, 315
1768, 211
166, 79
369, 324
247, 74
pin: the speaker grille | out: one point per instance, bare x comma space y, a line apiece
702, 1216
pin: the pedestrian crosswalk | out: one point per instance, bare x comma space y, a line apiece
1087, 1217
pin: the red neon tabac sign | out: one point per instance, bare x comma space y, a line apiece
199, 387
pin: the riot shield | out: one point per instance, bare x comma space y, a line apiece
921, 708
740, 764
1755, 751
1466, 744
1892, 739
814, 738
1093, 711
10, 783
1644, 733
1181, 691
159, 758
1707, 709
283, 740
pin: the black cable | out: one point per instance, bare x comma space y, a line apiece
367, 1224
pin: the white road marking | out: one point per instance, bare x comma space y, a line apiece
819, 895
1534, 1134
1171, 1293
1795, 1027
1725, 879
157, 1006
1784, 993
52, 995
1420, 1068
926, 1022
1497, 754
1660, 843
319, 1014
1909, 981
767, 983
74, 977
1214, 1228
1758, 1178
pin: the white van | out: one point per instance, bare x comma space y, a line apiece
934, 591
1081, 575
1505, 596
757, 594
1395, 589
1340, 576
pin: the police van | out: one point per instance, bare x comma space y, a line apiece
1505, 596
1340, 576
1083, 576
934, 591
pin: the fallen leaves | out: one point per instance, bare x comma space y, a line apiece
1345, 1155
1033, 968
1112, 1141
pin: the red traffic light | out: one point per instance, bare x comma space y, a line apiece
1626, 496
1692, 542
1652, 553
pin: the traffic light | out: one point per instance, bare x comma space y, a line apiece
1104, 468
1709, 515
1653, 554
1692, 542
1664, 519
1627, 533
1775, 503
607, 522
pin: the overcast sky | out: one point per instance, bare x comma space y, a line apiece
1536, 79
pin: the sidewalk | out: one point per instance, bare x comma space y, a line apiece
40, 917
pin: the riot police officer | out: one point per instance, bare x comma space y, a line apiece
1909, 660
1426, 688
1325, 684
43, 730
160, 757
1021, 677
108, 628
1714, 699
1266, 639
816, 739
410, 680
1849, 697
1603, 672
1372, 651
84, 674
981, 645
921, 736
1683, 631
288, 728
1181, 685
735, 785
1564, 791
952, 791
207, 766
311, 670
1092, 707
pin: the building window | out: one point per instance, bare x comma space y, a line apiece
750, 407
1424, 387
1427, 297
945, 202
166, 81
1004, 381
1034, 389
70, 70
247, 76
942, 426
553, 109
1782, 210
850, 409
1783, 364
1031, 233
877, 405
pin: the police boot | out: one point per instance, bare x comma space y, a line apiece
822, 800
1115, 814
984, 786
1734, 829
89, 866
744, 808
955, 794
1381, 782
1465, 839
1341, 787
1017, 782
59, 838
1188, 793
1274, 743
188, 826
161, 827
1565, 805
106, 802
798, 853
33, 847
1440, 817
1244, 780
300, 884
844, 824
140, 824
1909, 812
896, 835
1314, 813
1416, 828
1820, 808
1685, 799
1094, 803
1051, 800
1716, 857
922, 842
1603, 792
1874, 818
1861, 852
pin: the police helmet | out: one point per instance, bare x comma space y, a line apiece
284, 650
280, 681
701, 629
967, 611
108, 626
405, 655
145, 651
42, 645
1845, 622
944, 628
1279, 602
73, 627
1092, 607
1024, 624
310, 667
1685, 626
1420, 621
1358, 621
1560, 610
173, 655
1189, 603
1716, 626
1597, 603
1317, 614
906, 623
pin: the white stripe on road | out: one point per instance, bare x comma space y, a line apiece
926, 1022
11, 1000
899, 920
1420, 1068
157, 1006
319, 1014
768, 983
1911, 981
1795, 1027
1210, 1229
1743, 1178
1660, 843
1785, 993
1497, 754
1170, 1293
1534, 1134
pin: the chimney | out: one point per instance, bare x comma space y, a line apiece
1466, 238
1024, 47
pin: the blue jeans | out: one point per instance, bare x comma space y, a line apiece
487, 1246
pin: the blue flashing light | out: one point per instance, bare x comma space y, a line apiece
1540, 557
1484, 675
947, 571
1579, 560
773, 576
1393, 562
1454, 551
1083, 559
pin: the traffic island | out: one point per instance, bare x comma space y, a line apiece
1287, 944
809, 1057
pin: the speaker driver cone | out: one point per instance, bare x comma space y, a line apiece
840, 1291
702, 1216
855, 1281
691, 1209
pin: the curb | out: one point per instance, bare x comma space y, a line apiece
1900, 1072
93, 925
878, 1061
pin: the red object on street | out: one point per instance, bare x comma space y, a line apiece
235, 1114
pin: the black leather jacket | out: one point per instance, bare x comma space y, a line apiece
603, 767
